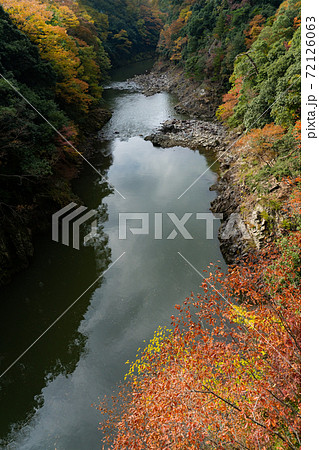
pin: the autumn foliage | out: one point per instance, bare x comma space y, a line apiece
228, 374
49, 26
230, 100
259, 143
169, 37
255, 27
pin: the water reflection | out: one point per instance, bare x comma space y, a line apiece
55, 279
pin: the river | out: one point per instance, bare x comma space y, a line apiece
46, 396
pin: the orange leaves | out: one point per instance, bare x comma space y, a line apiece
259, 142
297, 22
255, 27
262, 137
73, 89
230, 100
229, 373
47, 24
297, 132
170, 32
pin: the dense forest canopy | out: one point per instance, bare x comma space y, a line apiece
208, 35
29, 147
134, 27
250, 48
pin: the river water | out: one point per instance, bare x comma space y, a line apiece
46, 396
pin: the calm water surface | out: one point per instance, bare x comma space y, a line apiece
46, 397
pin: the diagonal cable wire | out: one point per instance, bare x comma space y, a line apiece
60, 316
237, 312
60, 134
233, 143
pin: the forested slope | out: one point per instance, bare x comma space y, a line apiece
206, 36
56, 54
134, 27
246, 57
227, 376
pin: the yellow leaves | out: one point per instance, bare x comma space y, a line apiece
142, 362
172, 30
26, 13
65, 16
211, 381
185, 14
46, 24
122, 39
241, 316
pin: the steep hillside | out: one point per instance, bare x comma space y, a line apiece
206, 36
133, 29
56, 54
252, 51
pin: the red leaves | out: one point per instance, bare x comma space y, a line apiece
230, 100
229, 373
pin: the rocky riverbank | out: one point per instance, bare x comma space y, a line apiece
213, 139
190, 133
252, 215
249, 218
197, 99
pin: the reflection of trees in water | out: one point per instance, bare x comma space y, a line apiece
66, 364
98, 247
100, 241
67, 275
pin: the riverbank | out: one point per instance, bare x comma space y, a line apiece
197, 99
212, 139
249, 219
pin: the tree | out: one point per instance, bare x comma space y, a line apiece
122, 43
230, 100
271, 73
47, 25
260, 143
228, 374
139, 19
255, 27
